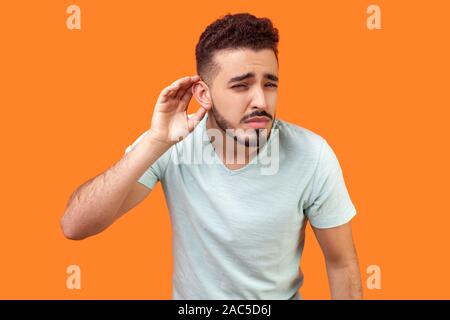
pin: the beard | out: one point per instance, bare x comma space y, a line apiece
251, 138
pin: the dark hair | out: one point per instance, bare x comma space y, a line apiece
233, 31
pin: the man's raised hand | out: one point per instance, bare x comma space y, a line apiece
170, 122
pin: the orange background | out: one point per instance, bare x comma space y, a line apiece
73, 100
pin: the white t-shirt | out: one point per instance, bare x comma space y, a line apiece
239, 234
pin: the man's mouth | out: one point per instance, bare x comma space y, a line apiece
257, 122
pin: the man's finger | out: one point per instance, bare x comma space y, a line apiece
195, 118
173, 89
181, 80
184, 102
185, 81
180, 93
165, 95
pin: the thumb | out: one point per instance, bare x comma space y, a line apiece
194, 119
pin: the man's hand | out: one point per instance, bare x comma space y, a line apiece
170, 122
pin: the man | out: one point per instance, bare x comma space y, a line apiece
238, 231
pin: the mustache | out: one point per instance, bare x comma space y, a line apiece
258, 113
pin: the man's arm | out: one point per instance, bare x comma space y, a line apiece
341, 261
97, 203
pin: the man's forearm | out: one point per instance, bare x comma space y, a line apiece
93, 205
344, 280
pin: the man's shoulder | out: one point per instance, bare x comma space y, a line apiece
296, 136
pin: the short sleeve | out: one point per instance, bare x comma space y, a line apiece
155, 172
329, 204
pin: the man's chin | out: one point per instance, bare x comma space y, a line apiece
256, 140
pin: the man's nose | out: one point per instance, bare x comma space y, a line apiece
259, 99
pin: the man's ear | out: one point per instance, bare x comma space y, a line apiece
201, 92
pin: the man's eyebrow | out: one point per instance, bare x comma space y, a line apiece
269, 76
242, 77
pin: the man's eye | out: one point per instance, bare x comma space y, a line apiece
272, 85
238, 86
